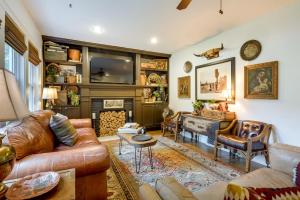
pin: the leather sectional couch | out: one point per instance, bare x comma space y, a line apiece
38, 150
283, 159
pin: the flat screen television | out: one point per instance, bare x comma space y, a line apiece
111, 69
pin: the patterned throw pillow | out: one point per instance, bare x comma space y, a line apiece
296, 175
236, 192
63, 129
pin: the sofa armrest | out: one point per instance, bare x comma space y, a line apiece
146, 192
169, 189
284, 157
81, 123
86, 161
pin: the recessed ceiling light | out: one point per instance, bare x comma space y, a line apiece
153, 40
127, 60
97, 29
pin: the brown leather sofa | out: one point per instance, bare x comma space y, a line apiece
38, 150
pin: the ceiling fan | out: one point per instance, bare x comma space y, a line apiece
185, 3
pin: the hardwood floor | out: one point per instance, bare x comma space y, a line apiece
236, 162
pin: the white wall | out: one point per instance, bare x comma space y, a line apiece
17, 11
279, 34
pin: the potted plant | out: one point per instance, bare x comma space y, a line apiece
74, 98
156, 94
198, 106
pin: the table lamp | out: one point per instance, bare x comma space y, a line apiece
49, 94
12, 108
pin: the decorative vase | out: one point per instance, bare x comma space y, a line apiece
7, 160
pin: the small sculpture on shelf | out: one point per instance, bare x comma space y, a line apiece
52, 71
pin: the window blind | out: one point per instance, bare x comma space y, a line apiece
33, 54
13, 36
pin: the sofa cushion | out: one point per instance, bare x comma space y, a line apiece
284, 157
265, 177
146, 192
237, 192
86, 136
169, 189
43, 117
28, 137
63, 129
213, 192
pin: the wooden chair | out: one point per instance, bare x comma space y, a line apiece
248, 138
172, 124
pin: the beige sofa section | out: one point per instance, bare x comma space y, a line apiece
283, 159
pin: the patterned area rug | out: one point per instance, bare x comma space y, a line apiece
190, 167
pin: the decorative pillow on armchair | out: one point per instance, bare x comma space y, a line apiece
63, 129
236, 192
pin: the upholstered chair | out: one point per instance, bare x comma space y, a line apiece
248, 138
172, 124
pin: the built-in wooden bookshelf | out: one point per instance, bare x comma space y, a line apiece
145, 113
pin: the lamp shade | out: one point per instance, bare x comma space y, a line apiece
49, 93
12, 106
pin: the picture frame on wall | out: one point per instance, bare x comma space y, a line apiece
261, 81
184, 87
214, 78
113, 104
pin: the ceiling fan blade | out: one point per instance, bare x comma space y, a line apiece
183, 4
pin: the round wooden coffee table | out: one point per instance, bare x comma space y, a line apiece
138, 147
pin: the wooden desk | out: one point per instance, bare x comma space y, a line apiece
204, 126
64, 190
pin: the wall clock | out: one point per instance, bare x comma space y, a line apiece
187, 66
250, 50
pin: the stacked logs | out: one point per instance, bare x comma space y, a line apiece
110, 121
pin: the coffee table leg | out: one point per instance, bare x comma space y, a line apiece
120, 146
150, 157
140, 159
135, 162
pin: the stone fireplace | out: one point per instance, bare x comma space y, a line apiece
107, 120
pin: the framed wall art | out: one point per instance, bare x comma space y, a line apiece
261, 81
184, 87
215, 77
113, 104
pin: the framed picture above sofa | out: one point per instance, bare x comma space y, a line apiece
261, 81
214, 78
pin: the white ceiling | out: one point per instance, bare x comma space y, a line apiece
131, 23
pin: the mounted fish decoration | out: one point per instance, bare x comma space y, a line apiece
212, 53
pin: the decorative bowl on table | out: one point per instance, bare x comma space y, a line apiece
33, 186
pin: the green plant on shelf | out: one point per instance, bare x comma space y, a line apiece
74, 98
156, 94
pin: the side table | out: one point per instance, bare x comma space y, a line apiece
64, 190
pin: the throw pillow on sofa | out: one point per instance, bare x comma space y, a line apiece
237, 192
63, 129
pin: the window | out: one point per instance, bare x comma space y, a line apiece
15, 63
34, 87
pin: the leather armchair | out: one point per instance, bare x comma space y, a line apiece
248, 138
173, 123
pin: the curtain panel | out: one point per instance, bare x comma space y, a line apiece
13, 36
33, 54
